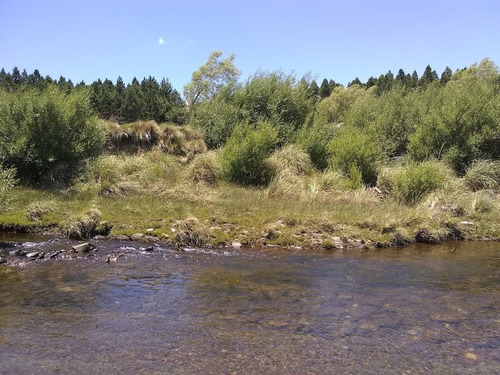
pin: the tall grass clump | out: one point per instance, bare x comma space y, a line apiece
413, 182
357, 154
120, 175
47, 136
483, 174
243, 159
182, 140
205, 168
291, 159
86, 225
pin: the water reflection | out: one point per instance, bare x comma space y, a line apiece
418, 310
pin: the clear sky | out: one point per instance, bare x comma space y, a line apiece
337, 39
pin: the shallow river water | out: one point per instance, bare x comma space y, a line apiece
417, 310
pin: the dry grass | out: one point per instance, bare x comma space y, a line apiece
205, 168
290, 160
483, 174
141, 136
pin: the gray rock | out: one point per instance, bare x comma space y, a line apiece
136, 236
83, 247
2, 261
33, 255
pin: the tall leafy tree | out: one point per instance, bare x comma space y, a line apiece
210, 78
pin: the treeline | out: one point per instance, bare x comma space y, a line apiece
145, 100
48, 128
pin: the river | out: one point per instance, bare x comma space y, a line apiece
413, 310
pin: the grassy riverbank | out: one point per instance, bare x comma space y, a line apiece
160, 196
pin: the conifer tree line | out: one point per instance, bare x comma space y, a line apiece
147, 100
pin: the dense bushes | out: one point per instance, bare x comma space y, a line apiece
243, 158
356, 154
7, 181
47, 136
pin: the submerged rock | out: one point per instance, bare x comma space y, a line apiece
2, 261
84, 247
146, 249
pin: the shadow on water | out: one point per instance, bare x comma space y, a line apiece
414, 310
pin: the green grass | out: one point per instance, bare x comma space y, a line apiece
309, 212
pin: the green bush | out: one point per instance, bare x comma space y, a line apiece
412, 183
314, 140
243, 159
47, 136
7, 182
356, 153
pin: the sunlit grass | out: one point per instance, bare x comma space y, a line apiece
308, 210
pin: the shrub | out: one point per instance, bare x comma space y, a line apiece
47, 136
415, 181
243, 158
483, 174
314, 140
7, 182
356, 153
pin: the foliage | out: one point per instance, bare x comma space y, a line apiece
357, 154
334, 108
210, 78
217, 118
48, 135
483, 174
314, 140
463, 124
243, 158
412, 183
7, 182
276, 98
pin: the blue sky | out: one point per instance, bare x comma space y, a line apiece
340, 40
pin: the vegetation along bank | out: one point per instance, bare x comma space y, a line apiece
270, 161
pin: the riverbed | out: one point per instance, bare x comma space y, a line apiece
131, 308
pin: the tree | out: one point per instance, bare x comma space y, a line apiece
429, 76
207, 81
325, 89
446, 75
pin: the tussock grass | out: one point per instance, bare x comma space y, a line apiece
121, 175
36, 210
154, 193
205, 168
182, 140
483, 174
141, 136
291, 160
86, 225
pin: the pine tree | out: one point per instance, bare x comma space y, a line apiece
446, 76
324, 90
